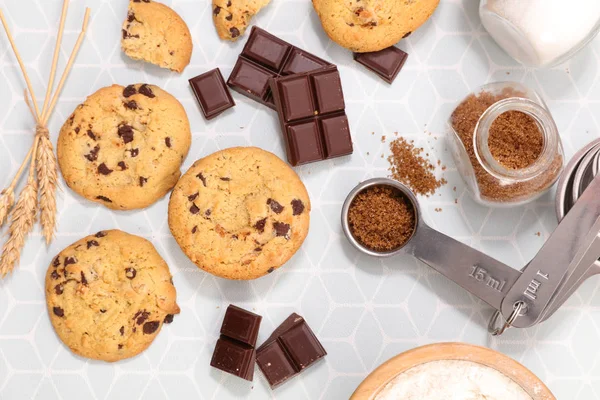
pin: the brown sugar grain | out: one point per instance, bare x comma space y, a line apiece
381, 218
515, 140
408, 166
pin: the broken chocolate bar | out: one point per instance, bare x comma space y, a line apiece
292, 348
312, 114
386, 63
234, 352
266, 56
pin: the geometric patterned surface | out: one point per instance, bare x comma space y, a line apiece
364, 310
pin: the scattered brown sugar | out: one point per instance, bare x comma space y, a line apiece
408, 166
515, 140
464, 119
381, 218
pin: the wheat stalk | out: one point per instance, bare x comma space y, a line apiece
7, 199
41, 158
22, 219
47, 178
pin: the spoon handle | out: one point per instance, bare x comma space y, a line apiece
481, 275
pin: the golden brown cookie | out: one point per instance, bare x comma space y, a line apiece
109, 294
154, 33
123, 147
231, 17
372, 25
239, 213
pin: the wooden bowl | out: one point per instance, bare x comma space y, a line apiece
389, 370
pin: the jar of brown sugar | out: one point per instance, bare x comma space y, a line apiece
505, 144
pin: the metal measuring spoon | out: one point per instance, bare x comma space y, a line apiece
581, 176
572, 248
584, 174
478, 273
565, 183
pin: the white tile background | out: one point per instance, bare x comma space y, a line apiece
364, 310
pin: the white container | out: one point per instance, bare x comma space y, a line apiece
541, 33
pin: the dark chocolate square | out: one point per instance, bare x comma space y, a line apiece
386, 63
302, 346
266, 49
275, 364
328, 90
305, 143
250, 79
212, 93
300, 61
290, 349
297, 98
234, 357
336, 135
241, 325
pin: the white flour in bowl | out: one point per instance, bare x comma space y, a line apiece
452, 380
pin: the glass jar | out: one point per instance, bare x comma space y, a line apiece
513, 161
541, 33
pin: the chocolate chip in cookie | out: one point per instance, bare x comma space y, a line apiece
130, 272
260, 225
275, 206
151, 327
202, 178
104, 198
131, 105
147, 91
129, 90
281, 229
297, 207
126, 133
104, 170
70, 261
93, 154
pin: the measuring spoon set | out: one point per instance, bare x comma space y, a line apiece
521, 298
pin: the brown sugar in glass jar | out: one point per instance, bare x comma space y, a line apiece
505, 144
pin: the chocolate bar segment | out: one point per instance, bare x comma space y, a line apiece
211, 93
386, 63
234, 357
234, 352
291, 348
265, 56
312, 115
250, 79
241, 325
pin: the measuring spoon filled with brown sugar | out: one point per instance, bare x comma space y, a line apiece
381, 217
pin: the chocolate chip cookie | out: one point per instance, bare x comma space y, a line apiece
123, 146
239, 213
372, 25
156, 34
109, 294
231, 17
